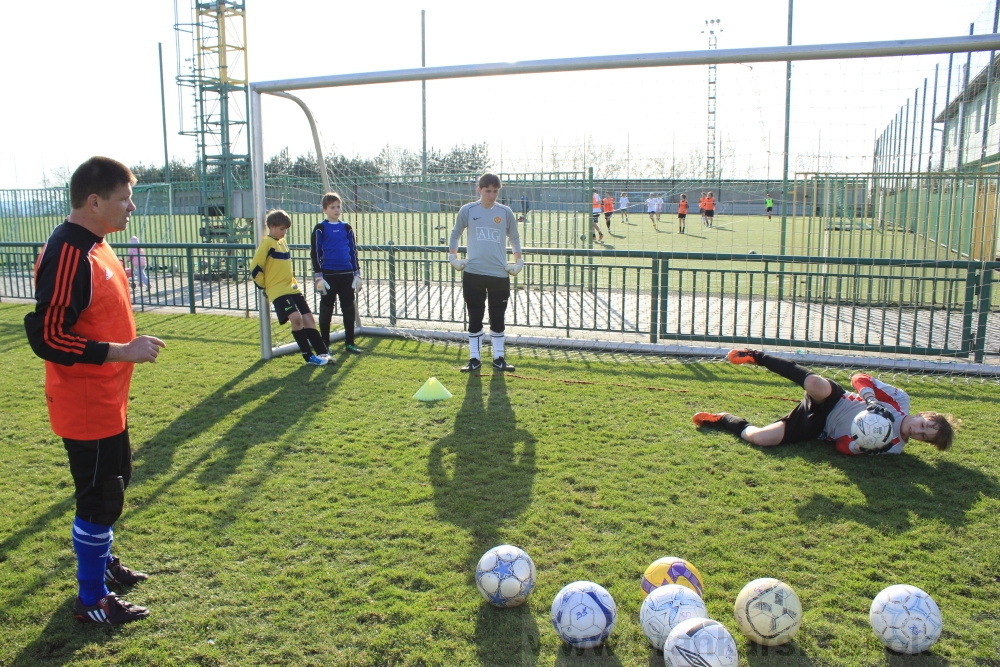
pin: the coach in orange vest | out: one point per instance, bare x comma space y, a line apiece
83, 328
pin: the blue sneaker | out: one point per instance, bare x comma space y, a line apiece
317, 361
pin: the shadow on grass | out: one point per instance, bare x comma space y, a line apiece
63, 637
602, 656
507, 637
898, 490
787, 655
482, 475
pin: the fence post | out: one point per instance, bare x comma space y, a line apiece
967, 308
985, 292
190, 271
654, 301
392, 285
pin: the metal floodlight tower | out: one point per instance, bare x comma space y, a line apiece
219, 78
711, 27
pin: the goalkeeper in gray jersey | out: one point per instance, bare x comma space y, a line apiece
487, 272
827, 410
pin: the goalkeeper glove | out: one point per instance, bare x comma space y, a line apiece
876, 408
357, 283
515, 268
321, 285
457, 264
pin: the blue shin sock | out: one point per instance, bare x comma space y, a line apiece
92, 543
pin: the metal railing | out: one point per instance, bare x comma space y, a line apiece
903, 307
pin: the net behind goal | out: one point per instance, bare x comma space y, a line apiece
831, 260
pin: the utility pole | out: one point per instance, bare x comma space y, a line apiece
711, 26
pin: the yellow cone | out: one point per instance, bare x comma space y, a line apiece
432, 391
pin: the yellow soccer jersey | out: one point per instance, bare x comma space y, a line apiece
271, 268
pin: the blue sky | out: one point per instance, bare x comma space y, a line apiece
83, 77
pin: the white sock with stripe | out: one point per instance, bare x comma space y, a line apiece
476, 344
497, 340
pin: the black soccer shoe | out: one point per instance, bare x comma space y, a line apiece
116, 573
501, 365
109, 610
473, 365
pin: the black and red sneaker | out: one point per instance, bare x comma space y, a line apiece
723, 420
744, 357
116, 573
110, 610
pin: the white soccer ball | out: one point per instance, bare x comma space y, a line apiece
584, 614
505, 576
768, 612
871, 431
664, 608
905, 619
700, 642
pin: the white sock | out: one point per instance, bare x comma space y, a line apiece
497, 340
475, 344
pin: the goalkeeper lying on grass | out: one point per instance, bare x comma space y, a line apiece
827, 410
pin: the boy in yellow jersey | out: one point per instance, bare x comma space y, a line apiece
271, 270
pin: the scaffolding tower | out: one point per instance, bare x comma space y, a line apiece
216, 73
711, 26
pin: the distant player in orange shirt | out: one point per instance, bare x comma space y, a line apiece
710, 208
701, 207
682, 212
609, 208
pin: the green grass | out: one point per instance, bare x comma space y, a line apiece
291, 515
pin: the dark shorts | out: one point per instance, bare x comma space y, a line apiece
286, 304
768, 209
682, 216
596, 217
607, 215
808, 419
710, 213
102, 470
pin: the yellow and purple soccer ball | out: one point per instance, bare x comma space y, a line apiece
672, 570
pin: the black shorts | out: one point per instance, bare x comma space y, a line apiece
682, 216
102, 470
596, 217
710, 213
768, 209
808, 419
286, 304
607, 215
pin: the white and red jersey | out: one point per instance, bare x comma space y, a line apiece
838, 422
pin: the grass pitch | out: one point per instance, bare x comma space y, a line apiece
292, 515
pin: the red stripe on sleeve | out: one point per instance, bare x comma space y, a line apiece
55, 315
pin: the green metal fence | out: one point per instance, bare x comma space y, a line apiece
909, 307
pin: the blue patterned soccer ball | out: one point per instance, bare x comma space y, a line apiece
905, 619
665, 608
584, 614
505, 576
700, 642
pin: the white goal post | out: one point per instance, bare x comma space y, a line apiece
943, 45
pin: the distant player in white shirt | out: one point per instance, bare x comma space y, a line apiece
659, 207
827, 410
623, 206
651, 208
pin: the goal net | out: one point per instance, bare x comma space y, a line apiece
861, 232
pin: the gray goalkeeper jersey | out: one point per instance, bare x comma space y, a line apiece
489, 231
893, 399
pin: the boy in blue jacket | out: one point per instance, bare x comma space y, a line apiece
335, 268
